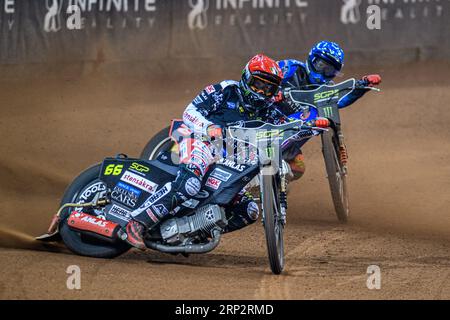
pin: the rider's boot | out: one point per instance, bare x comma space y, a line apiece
134, 234
242, 212
297, 166
186, 185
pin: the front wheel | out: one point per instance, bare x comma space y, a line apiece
336, 175
273, 221
83, 190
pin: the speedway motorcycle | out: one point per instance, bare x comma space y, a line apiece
103, 198
321, 101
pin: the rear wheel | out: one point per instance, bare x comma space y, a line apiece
83, 189
273, 221
336, 175
161, 142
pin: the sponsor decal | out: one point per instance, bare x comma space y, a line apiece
156, 196
120, 212
125, 194
151, 215
90, 219
201, 165
231, 105
213, 183
176, 209
231, 164
91, 191
139, 181
194, 120
191, 203
204, 96
88, 194
326, 95
245, 12
198, 100
210, 89
183, 152
201, 155
139, 168
192, 186
328, 112
221, 174
160, 210
194, 169
267, 134
129, 188
270, 152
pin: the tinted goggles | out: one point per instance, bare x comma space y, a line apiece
325, 68
263, 86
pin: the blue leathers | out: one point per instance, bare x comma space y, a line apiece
295, 75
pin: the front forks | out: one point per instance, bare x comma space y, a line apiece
285, 170
343, 155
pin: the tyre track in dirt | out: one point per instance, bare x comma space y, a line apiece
328, 265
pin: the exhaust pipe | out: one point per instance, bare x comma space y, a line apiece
90, 225
192, 248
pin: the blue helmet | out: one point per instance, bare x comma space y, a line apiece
325, 61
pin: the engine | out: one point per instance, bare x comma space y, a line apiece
202, 222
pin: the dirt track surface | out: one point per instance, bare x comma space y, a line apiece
399, 145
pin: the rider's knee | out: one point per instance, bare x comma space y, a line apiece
242, 215
252, 212
195, 156
188, 183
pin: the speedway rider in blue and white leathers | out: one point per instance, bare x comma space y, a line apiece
324, 63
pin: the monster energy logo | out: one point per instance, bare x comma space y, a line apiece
328, 112
270, 151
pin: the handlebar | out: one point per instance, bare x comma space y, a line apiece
297, 126
318, 95
288, 126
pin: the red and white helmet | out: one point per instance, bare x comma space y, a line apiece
261, 79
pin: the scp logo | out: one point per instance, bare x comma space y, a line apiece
325, 95
197, 18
